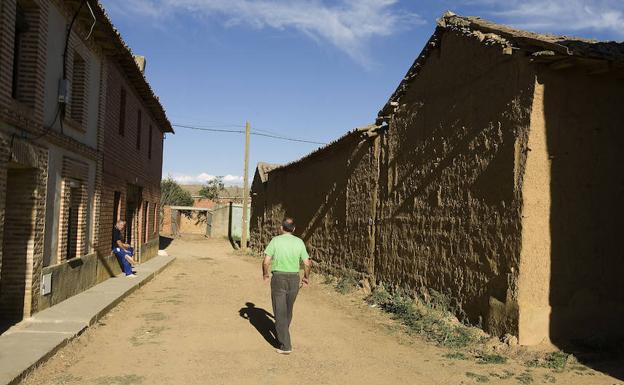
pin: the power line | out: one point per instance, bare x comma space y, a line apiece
264, 133
286, 138
212, 125
207, 129
267, 131
211, 122
273, 134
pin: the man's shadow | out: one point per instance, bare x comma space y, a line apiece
262, 321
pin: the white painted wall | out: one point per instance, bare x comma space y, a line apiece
57, 25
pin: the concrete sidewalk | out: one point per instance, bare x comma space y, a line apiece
36, 339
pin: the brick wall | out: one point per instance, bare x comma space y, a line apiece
23, 116
27, 107
166, 221
23, 177
124, 165
204, 203
17, 247
74, 200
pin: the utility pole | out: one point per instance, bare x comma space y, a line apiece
245, 190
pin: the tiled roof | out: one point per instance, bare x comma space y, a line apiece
560, 45
264, 168
565, 51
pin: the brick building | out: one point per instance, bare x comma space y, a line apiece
493, 175
60, 110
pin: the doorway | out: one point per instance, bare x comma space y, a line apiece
17, 246
133, 204
116, 203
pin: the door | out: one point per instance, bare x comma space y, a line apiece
17, 246
133, 205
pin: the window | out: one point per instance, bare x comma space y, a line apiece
149, 143
21, 27
116, 206
146, 222
26, 52
156, 221
78, 88
122, 112
72, 223
116, 211
72, 237
139, 124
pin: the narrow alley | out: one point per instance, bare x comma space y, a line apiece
195, 324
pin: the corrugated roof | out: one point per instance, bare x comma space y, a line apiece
113, 46
540, 47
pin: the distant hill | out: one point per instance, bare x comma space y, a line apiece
230, 191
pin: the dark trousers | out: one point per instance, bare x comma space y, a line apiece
284, 289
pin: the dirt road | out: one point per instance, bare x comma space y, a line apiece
191, 325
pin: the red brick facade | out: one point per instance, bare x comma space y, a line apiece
126, 167
73, 219
23, 173
58, 182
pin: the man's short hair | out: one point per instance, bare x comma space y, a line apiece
288, 224
121, 222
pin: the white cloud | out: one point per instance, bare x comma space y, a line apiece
347, 24
560, 15
205, 177
232, 179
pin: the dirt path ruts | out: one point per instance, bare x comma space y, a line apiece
191, 325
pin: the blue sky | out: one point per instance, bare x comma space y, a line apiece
308, 69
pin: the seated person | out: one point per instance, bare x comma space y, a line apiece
123, 251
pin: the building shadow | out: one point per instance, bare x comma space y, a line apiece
586, 216
20, 208
262, 320
235, 244
164, 242
5, 325
105, 264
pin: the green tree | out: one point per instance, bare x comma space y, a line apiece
172, 194
213, 189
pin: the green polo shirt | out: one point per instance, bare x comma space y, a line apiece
286, 252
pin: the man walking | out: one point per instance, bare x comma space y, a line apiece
283, 256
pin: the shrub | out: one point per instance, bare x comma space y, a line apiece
492, 359
346, 284
430, 321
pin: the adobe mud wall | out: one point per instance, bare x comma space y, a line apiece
572, 290
451, 177
498, 183
329, 195
195, 224
433, 204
